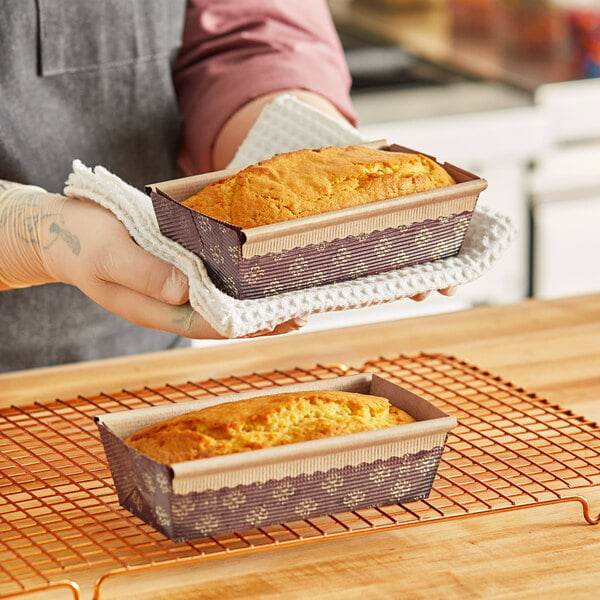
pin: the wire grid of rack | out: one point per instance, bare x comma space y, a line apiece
59, 515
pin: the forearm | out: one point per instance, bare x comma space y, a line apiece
232, 134
6, 185
232, 58
27, 224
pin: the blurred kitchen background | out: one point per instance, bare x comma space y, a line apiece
509, 90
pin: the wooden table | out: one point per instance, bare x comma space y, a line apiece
549, 347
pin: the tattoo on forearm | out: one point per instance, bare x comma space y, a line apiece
38, 227
70, 238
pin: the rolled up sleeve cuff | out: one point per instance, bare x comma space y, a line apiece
213, 82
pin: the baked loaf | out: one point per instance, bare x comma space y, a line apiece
263, 422
308, 182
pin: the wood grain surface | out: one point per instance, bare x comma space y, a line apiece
551, 348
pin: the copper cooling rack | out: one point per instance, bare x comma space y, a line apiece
60, 519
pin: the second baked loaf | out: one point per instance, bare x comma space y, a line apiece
308, 182
263, 422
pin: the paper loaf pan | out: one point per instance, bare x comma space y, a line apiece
242, 491
336, 246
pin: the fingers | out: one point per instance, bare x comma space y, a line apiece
181, 319
140, 271
420, 297
286, 327
449, 291
148, 312
90, 245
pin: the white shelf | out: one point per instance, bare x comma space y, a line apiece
571, 109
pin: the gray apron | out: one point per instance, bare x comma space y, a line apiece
92, 80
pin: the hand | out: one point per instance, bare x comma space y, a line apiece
449, 291
49, 238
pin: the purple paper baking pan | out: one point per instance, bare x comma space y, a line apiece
336, 246
238, 492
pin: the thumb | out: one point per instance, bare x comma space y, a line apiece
175, 289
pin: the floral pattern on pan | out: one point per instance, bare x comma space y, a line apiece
195, 515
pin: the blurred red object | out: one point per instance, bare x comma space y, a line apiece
585, 34
472, 17
532, 29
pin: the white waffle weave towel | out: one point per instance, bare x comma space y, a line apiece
284, 125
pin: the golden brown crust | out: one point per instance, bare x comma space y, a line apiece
309, 182
263, 422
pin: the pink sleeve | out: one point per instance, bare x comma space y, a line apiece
234, 51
